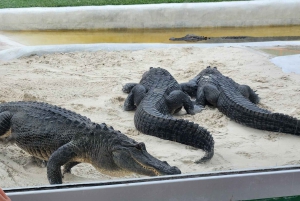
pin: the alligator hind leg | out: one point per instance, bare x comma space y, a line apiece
248, 93
134, 98
190, 88
60, 157
176, 99
5, 127
207, 94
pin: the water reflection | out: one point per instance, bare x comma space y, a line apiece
150, 35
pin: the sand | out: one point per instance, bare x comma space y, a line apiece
90, 84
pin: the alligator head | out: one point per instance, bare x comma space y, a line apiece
155, 71
209, 71
134, 157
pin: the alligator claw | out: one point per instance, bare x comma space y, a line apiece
129, 107
198, 108
65, 171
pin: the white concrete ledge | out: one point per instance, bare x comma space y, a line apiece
18, 52
185, 15
9, 42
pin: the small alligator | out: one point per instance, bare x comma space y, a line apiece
61, 136
189, 38
195, 38
156, 98
235, 37
238, 102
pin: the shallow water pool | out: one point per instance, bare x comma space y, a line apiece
151, 35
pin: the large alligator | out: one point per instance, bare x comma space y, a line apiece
231, 39
189, 38
156, 98
195, 38
236, 101
61, 136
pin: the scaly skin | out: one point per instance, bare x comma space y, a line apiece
156, 98
238, 102
62, 137
189, 38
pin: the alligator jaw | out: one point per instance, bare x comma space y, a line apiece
148, 168
155, 166
136, 159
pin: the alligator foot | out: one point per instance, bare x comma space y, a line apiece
8, 140
34, 161
198, 108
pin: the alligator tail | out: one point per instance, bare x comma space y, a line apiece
178, 130
262, 119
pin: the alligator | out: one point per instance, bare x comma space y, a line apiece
62, 137
235, 37
232, 39
238, 102
189, 38
155, 98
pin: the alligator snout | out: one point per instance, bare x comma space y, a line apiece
175, 170
171, 170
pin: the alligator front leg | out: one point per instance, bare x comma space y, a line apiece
135, 96
128, 87
207, 94
176, 99
60, 157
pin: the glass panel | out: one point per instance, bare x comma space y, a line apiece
90, 84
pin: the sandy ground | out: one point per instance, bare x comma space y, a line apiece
91, 83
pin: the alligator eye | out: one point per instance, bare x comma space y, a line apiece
165, 162
140, 146
215, 67
208, 67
